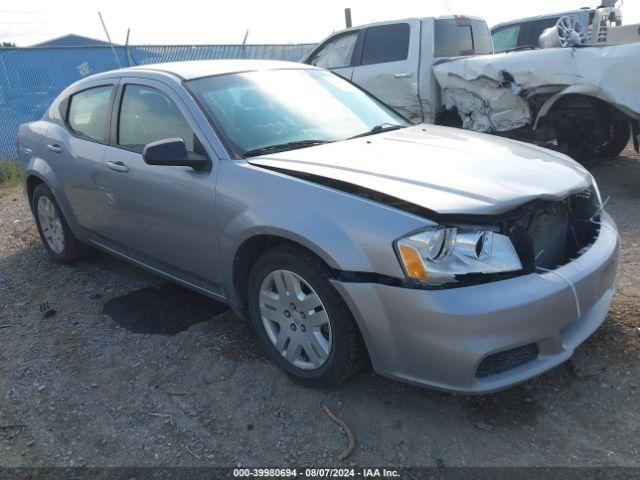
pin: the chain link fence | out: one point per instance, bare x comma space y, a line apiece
30, 78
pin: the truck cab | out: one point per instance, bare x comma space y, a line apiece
393, 60
593, 23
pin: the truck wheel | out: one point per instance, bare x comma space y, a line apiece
620, 134
54, 231
576, 149
300, 318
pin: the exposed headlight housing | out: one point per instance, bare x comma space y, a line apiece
440, 254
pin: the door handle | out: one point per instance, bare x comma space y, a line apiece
117, 166
55, 148
402, 75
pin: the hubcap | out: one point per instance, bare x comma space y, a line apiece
50, 224
295, 319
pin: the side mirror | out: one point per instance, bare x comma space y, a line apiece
173, 152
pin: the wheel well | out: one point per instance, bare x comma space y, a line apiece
580, 104
32, 183
247, 255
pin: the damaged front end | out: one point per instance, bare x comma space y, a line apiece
545, 234
584, 99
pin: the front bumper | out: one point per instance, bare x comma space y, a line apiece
438, 338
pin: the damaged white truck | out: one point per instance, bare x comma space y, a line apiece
584, 99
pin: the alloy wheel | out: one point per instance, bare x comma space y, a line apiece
51, 224
295, 319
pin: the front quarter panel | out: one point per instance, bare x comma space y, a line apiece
347, 232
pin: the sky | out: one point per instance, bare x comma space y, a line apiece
275, 21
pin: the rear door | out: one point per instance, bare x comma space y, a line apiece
161, 215
337, 53
388, 66
76, 149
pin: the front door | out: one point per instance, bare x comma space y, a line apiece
161, 215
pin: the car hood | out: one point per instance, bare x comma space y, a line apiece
447, 170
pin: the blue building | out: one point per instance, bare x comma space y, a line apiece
71, 40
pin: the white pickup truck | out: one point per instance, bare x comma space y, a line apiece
443, 70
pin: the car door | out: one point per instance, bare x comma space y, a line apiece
389, 66
337, 53
161, 215
76, 148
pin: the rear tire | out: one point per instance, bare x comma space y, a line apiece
301, 320
54, 231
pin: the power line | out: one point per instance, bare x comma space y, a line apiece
15, 12
23, 34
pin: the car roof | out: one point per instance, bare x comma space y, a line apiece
541, 17
204, 68
401, 20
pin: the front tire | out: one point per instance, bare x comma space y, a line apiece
619, 138
300, 318
54, 231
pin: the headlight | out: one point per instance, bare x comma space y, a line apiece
439, 254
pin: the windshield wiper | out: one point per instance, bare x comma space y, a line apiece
282, 147
383, 127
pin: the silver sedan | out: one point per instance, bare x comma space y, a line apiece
450, 259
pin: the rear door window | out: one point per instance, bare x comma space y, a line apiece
89, 112
386, 43
337, 53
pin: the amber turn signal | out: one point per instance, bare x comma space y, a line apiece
412, 263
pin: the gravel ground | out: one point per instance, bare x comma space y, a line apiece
133, 371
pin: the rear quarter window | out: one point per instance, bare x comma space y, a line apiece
89, 112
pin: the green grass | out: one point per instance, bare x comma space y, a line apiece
9, 174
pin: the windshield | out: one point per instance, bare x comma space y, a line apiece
259, 110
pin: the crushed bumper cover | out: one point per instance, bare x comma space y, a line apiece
439, 338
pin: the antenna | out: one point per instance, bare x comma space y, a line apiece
244, 40
110, 42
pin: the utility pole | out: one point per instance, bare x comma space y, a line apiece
347, 17
110, 42
126, 48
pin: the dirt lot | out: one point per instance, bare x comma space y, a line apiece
131, 370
